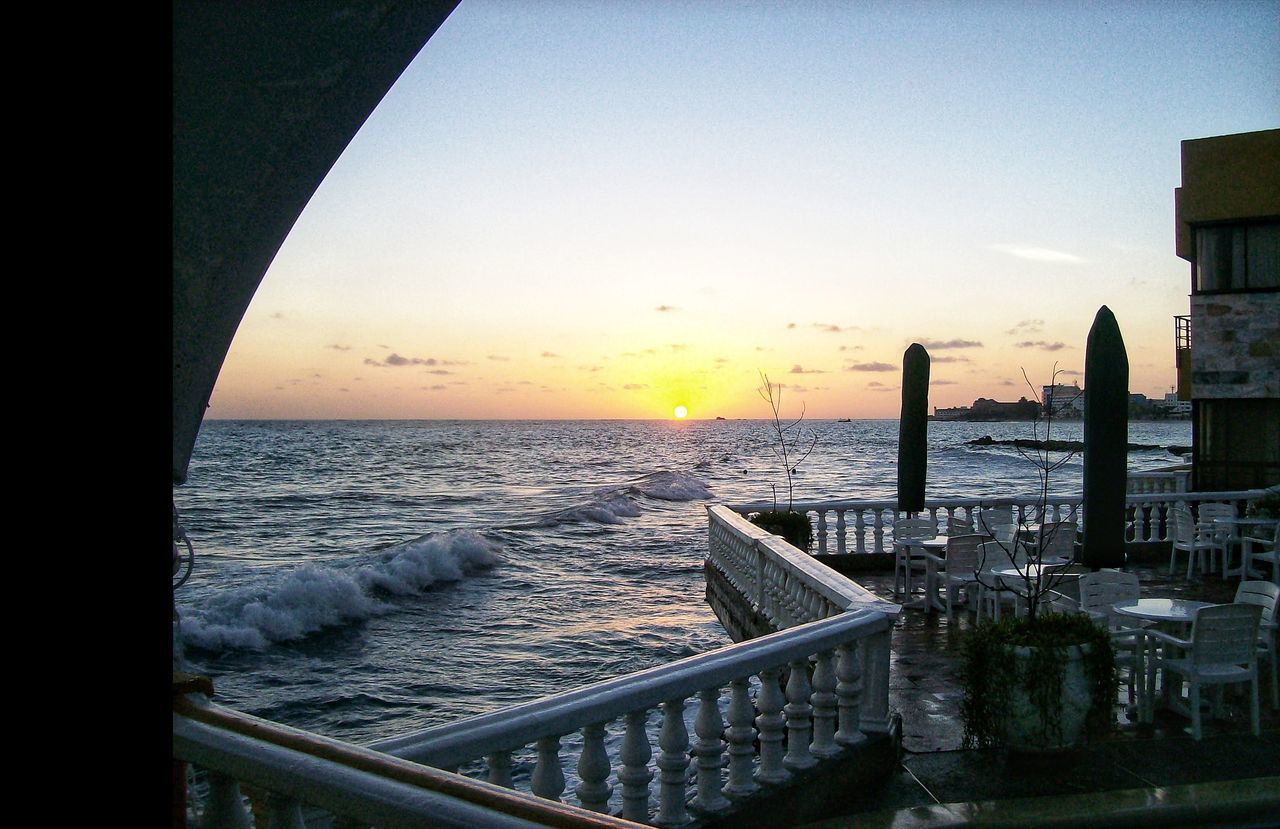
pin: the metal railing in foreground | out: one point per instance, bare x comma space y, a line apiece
861, 525
381, 785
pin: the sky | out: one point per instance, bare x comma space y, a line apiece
601, 209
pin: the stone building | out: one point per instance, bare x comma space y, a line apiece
1228, 347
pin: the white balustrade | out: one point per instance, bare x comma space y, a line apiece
1150, 496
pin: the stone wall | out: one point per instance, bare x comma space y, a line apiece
1235, 346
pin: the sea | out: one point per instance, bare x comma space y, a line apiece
365, 579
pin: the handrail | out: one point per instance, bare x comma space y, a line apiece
352, 780
455, 743
841, 592
1024, 500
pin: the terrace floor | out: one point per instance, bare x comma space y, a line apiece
1113, 781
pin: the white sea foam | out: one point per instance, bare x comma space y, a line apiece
315, 597
672, 486
612, 505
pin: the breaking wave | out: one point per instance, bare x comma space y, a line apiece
613, 505
315, 596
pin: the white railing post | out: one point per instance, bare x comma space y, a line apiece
224, 807
635, 774
673, 760
593, 770
769, 726
709, 749
284, 812
849, 694
860, 527
548, 778
824, 707
842, 533
874, 717
741, 736
499, 763
877, 523
822, 532
799, 718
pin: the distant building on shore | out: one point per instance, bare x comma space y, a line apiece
1063, 402
985, 409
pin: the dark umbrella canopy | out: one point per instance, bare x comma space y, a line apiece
913, 425
1106, 442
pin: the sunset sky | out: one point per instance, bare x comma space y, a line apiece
607, 209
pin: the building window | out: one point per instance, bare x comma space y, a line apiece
1237, 444
1237, 257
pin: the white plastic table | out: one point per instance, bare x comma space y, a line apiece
1229, 529
1170, 613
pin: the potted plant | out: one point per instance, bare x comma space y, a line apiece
795, 527
1041, 681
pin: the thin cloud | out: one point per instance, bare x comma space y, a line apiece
948, 359
337, 347
666, 309
942, 382
1027, 327
799, 369
551, 355
278, 315
940, 345
871, 367
635, 386
498, 358
394, 360
1035, 254
829, 328
1041, 344
878, 386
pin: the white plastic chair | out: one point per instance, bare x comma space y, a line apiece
963, 555
1205, 513
1264, 594
1058, 539
992, 589
989, 517
905, 557
1099, 592
1254, 548
959, 526
1191, 539
1222, 650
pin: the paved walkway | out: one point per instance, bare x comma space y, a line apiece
1134, 777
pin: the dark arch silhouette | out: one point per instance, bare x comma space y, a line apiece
266, 96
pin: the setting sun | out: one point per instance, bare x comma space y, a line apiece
681, 412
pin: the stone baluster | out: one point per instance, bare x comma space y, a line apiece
860, 528
823, 701
933, 513
874, 716
224, 807
499, 764
709, 749
842, 533
849, 694
769, 726
673, 760
284, 812
593, 770
635, 774
760, 593
741, 738
878, 530
799, 718
822, 532
548, 777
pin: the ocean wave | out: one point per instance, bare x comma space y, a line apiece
672, 486
315, 597
613, 505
